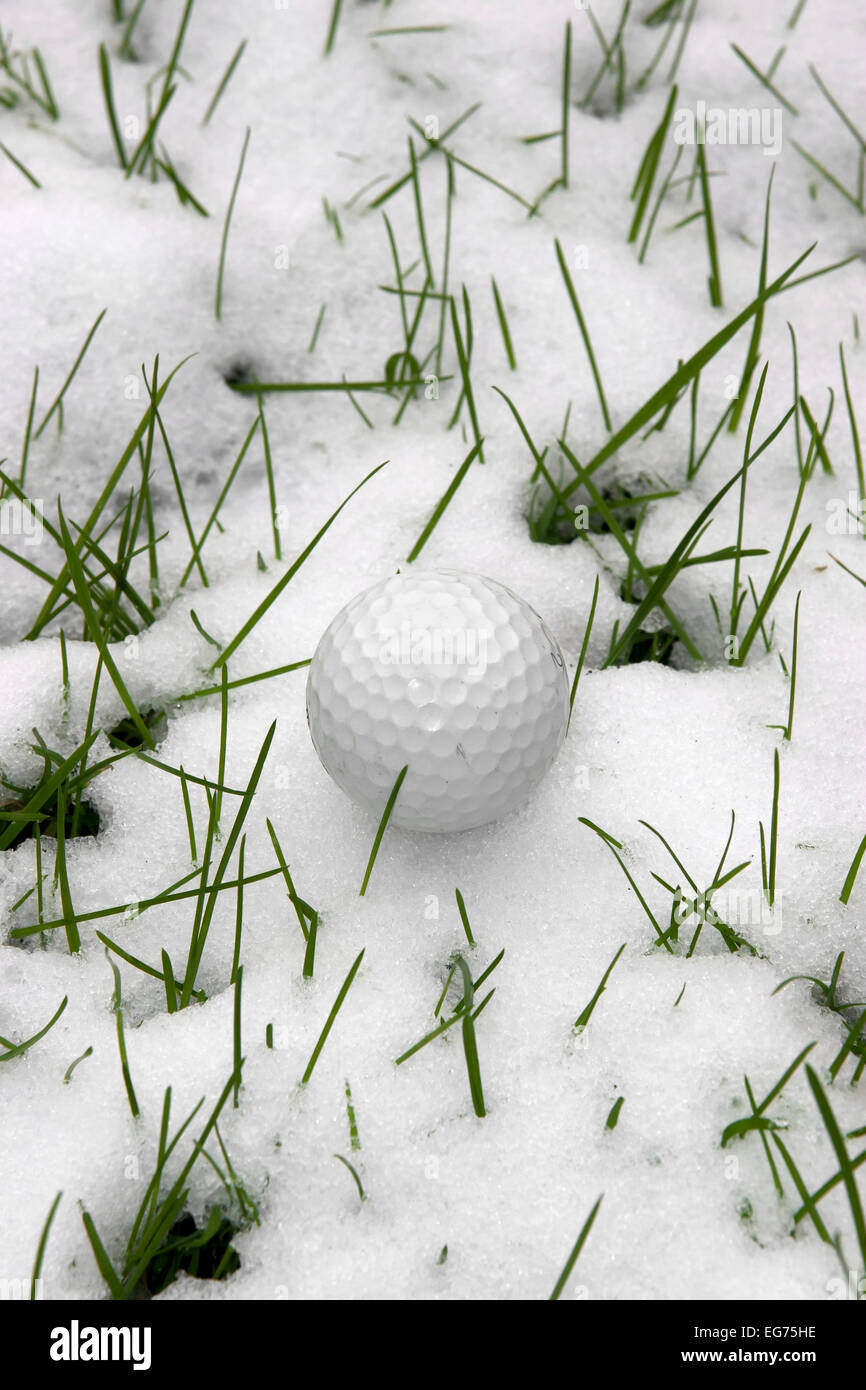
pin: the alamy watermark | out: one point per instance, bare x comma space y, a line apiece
846, 516
713, 125
20, 519
741, 909
435, 646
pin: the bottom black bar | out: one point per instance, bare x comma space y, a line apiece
156, 1338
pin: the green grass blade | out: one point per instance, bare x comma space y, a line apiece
224, 81
572, 1259
581, 323
288, 576
226, 224
848, 885
329, 1022
40, 1251
117, 1007
383, 824
444, 501
586, 1014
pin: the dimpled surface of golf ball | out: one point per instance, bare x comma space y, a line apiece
446, 673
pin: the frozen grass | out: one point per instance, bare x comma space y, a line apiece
664, 483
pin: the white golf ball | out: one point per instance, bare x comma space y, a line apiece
449, 674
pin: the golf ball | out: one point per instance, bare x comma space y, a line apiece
450, 675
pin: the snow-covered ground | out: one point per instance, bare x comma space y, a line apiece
677, 745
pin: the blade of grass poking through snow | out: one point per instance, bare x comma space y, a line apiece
770, 883
586, 1014
646, 174
537, 456
239, 911
346, 1164
91, 626
67, 1075
224, 733
787, 729
764, 80
236, 1034
848, 885
858, 577
202, 927
310, 952
503, 326
290, 573
581, 323
224, 81
685, 374
227, 223
187, 810
316, 329
564, 1277
224, 491
855, 434
171, 999
57, 403
736, 596
684, 36
103, 1263
470, 1043
332, 27
22, 168
781, 569
61, 876
354, 1136
843, 1158
386, 816
446, 265
28, 430
287, 877
463, 351
18, 1049
715, 277
583, 646
751, 362
178, 487
657, 206
184, 193
853, 1043
329, 1022
117, 1009
40, 1250
245, 680
443, 502
461, 908
566, 102
419, 213
802, 1190
105, 76
613, 1116
615, 846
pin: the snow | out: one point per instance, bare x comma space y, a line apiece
677, 746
